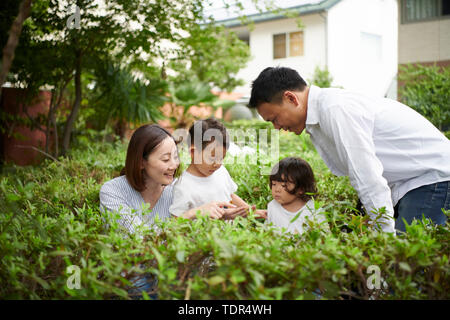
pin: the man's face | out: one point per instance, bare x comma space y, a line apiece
287, 114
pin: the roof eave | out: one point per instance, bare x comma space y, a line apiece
269, 16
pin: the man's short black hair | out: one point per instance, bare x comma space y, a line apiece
272, 83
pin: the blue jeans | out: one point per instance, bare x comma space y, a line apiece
144, 282
427, 200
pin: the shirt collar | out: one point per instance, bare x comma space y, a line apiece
312, 116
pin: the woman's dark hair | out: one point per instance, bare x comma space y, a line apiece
142, 143
298, 172
272, 83
212, 127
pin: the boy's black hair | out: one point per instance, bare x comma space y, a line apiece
298, 172
272, 83
212, 127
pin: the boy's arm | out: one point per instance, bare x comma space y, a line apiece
236, 200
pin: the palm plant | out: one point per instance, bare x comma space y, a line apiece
125, 99
189, 94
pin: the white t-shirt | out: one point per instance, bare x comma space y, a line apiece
281, 217
191, 191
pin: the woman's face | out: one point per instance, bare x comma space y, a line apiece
162, 163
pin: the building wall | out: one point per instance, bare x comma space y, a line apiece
261, 47
424, 41
362, 45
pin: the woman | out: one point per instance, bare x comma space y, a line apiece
147, 179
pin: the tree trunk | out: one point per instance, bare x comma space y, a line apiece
47, 129
76, 105
13, 40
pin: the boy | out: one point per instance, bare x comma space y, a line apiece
206, 179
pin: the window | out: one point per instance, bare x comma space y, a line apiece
279, 46
285, 43
419, 10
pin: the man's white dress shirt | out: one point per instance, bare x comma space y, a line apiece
385, 147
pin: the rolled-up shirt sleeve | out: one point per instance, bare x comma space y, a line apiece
351, 131
114, 202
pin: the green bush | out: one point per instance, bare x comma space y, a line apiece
51, 220
426, 89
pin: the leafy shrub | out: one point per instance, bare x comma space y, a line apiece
426, 89
50, 220
322, 78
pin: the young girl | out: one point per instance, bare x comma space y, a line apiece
206, 179
292, 183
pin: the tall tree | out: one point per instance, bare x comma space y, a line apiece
63, 40
13, 40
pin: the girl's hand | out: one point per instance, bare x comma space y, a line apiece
260, 213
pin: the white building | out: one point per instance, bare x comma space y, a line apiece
356, 40
424, 32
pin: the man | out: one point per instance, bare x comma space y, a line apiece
393, 156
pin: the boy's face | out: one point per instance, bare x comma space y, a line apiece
206, 162
280, 193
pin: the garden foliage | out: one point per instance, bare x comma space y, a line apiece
51, 220
426, 89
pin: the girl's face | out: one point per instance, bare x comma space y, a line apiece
162, 163
280, 193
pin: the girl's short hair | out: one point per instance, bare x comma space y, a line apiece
142, 143
298, 172
212, 127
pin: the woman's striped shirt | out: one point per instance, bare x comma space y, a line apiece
117, 195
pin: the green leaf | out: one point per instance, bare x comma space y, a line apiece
404, 266
215, 280
180, 256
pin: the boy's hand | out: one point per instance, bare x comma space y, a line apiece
215, 209
232, 212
